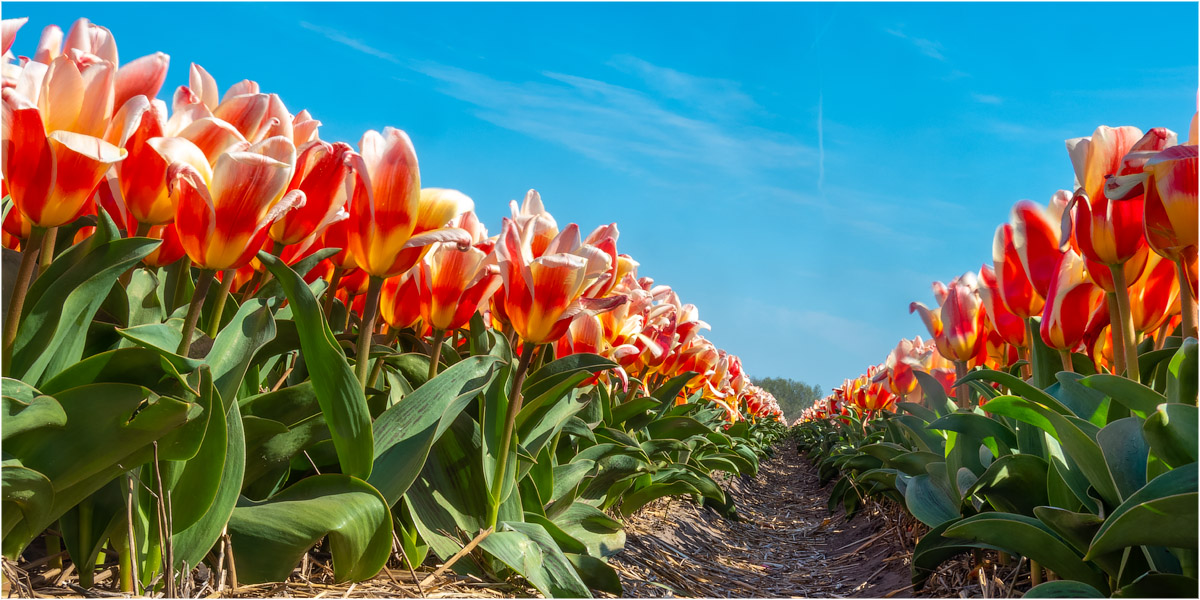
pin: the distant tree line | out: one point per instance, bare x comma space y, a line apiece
793, 396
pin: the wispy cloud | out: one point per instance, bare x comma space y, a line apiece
930, 48
820, 142
355, 43
987, 99
710, 95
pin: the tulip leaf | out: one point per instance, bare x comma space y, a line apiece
1167, 521
1018, 387
232, 353
935, 394
1015, 483
288, 405
28, 497
62, 301
1027, 536
676, 428
530, 551
406, 431
20, 417
197, 479
136, 366
1125, 452
1088, 403
164, 338
1159, 585
930, 498
601, 534
270, 537
194, 541
977, 426
1079, 446
1139, 399
1175, 484
668, 391
554, 373
934, 548
1182, 384
1063, 589
627, 410
1171, 432
338, 390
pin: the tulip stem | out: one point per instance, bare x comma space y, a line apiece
1067, 365
331, 291
366, 329
1117, 332
193, 313
1187, 302
29, 259
214, 325
963, 393
510, 419
439, 335
1126, 324
185, 274
47, 255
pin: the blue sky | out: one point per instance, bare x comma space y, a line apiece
800, 172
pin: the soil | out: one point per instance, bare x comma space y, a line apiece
786, 543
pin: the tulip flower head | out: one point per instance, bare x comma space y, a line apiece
1073, 298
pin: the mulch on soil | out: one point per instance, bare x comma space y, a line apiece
785, 544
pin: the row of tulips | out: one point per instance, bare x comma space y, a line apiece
1071, 439
296, 342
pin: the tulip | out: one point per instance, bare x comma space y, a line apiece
8, 33
1155, 295
453, 284
1013, 286
320, 171
222, 223
1171, 218
143, 172
1010, 326
400, 304
1073, 298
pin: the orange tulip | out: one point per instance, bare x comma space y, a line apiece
1171, 207
1073, 298
1035, 240
453, 284
1013, 287
958, 326
1010, 326
142, 175
50, 177
1155, 296
384, 206
399, 303
320, 171
223, 223
543, 294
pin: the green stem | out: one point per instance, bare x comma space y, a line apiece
29, 258
184, 275
47, 255
1117, 332
331, 291
214, 324
439, 335
366, 329
53, 547
963, 392
129, 575
1187, 302
510, 419
1067, 365
378, 368
86, 570
193, 313
1131, 355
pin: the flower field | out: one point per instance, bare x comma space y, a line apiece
1052, 416
229, 341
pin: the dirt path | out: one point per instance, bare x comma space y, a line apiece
786, 544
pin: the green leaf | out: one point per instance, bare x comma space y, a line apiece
1139, 399
930, 498
136, 366
236, 345
1159, 585
20, 417
1125, 452
194, 541
270, 537
1181, 385
194, 482
338, 391
62, 302
1168, 521
1027, 536
530, 551
164, 338
601, 534
1015, 483
1063, 589
554, 373
1171, 432
28, 497
406, 431
935, 394
1018, 387
934, 548
1085, 452
676, 428
144, 305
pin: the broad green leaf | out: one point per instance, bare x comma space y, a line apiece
270, 537
194, 541
540, 381
164, 339
935, 394
28, 497
136, 366
934, 548
1063, 589
1171, 432
1168, 521
530, 551
676, 428
1139, 399
1181, 384
1015, 483
62, 302
929, 497
1027, 536
1160, 585
406, 431
1125, 452
1018, 387
338, 391
232, 353
20, 417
